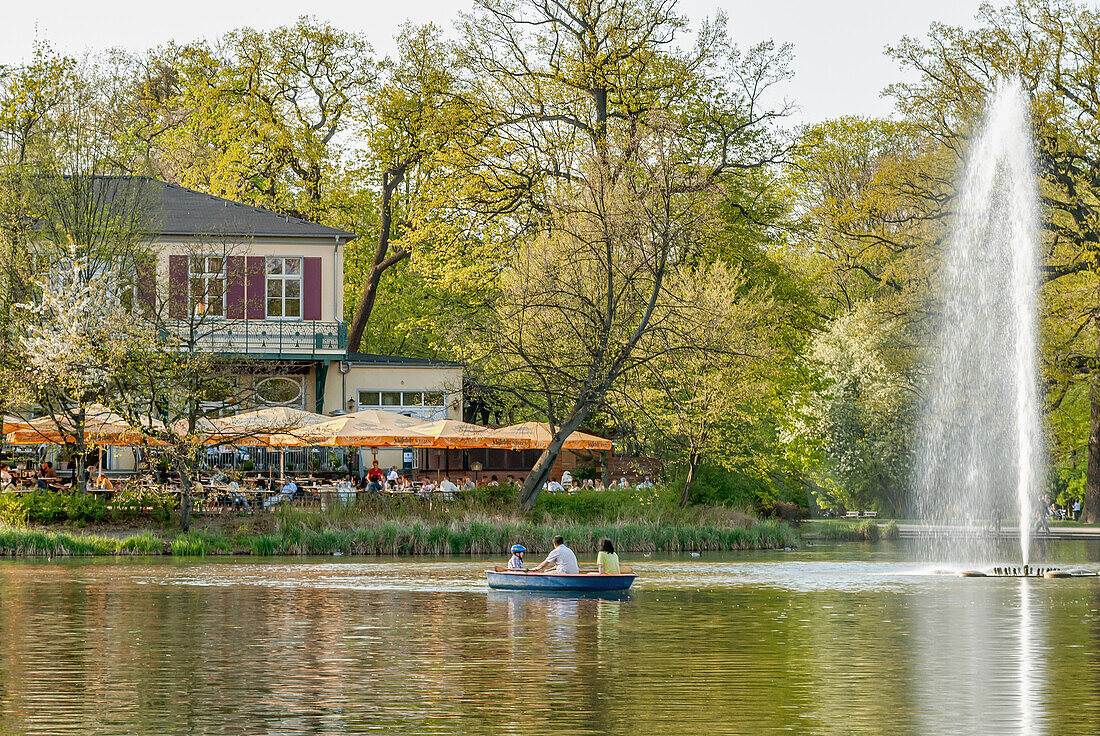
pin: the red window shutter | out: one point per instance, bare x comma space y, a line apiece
255, 267
311, 288
235, 287
147, 282
177, 287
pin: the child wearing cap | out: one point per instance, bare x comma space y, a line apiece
516, 561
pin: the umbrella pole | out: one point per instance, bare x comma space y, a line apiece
282, 464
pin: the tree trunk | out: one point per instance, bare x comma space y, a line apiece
185, 496
540, 474
381, 261
693, 464
1090, 508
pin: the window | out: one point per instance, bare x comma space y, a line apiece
281, 391
404, 399
284, 288
206, 285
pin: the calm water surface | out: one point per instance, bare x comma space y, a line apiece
831, 640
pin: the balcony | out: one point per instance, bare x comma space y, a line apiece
272, 338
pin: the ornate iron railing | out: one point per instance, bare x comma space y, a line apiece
279, 338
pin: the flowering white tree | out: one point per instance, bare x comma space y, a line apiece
859, 416
74, 330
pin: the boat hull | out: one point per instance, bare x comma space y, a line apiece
555, 581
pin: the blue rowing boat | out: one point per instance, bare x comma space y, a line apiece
549, 581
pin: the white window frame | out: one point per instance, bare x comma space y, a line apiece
419, 409
206, 276
284, 278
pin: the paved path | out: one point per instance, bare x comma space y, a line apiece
1007, 532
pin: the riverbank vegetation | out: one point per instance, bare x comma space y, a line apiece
487, 520
839, 530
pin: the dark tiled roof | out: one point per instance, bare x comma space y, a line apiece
375, 359
185, 211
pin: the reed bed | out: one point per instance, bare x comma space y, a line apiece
867, 530
324, 535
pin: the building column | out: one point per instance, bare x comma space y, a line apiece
322, 377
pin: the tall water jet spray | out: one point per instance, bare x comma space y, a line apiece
980, 451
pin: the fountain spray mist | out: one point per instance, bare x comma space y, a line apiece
980, 449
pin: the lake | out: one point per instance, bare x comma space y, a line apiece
834, 639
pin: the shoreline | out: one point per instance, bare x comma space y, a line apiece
395, 537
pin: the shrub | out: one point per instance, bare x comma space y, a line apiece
890, 531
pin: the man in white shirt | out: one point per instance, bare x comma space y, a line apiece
565, 562
393, 475
286, 494
448, 488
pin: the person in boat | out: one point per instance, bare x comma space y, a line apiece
607, 562
563, 559
515, 562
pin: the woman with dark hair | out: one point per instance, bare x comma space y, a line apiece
607, 562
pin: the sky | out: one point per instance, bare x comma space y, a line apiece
840, 67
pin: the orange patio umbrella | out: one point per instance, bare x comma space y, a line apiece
451, 434
387, 418
273, 426
537, 435
101, 427
358, 430
12, 423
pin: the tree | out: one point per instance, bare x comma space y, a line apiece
69, 345
867, 214
414, 118
75, 237
607, 150
694, 393
858, 412
261, 114
1049, 45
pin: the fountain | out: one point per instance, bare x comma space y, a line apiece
980, 451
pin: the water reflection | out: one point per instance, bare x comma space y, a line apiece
740, 644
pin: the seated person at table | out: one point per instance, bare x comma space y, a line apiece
5, 476
392, 476
515, 562
427, 488
375, 478
405, 484
607, 562
554, 487
102, 482
467, 484
237, 498
286, 494
563, 559
45, 474
449, 489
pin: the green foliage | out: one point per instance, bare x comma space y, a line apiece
198, 543
890, 531
840, 530
859, 417
50, 508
